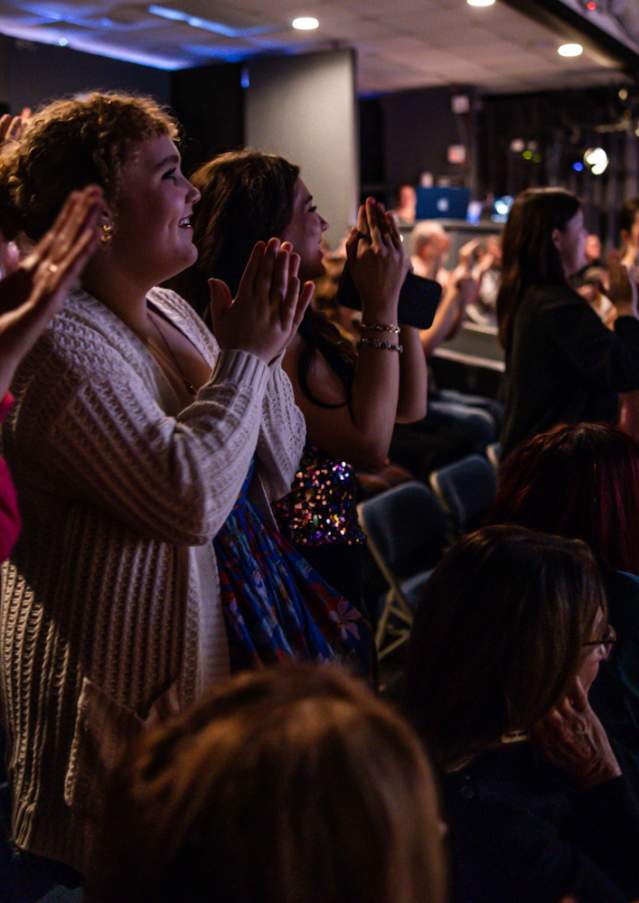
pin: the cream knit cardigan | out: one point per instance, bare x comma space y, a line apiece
110, 614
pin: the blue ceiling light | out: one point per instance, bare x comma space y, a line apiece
176, 15
166, 13
578, 166
90, 45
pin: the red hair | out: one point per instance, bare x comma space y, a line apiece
579, 481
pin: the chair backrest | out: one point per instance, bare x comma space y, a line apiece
406, 527
467, 488
493, 453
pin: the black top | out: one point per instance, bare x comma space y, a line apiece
615, 693
519, 831
564, 365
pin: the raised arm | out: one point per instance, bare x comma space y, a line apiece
359, 429
461, 290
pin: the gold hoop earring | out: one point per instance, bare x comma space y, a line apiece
106, 233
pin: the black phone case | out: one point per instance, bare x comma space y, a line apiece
418, 299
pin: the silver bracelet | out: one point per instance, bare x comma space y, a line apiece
381, 327
383, 346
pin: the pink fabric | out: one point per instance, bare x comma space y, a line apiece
10, 523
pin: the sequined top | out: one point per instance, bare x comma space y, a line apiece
320, 508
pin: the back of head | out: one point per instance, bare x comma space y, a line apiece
529, 255
291, 785
498, 637
247, 196
68, 144
426, 233
577, 480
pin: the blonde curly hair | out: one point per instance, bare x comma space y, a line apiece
70, 143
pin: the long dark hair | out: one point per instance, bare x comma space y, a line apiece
529, 253
498, 636
247, 196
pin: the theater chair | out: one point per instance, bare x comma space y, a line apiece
407, 531
467, 490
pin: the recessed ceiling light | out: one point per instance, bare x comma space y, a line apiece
480, 2
63, 42
305, 23
570, 50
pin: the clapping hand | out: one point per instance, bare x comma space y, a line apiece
269, 304
35, 291
377, 262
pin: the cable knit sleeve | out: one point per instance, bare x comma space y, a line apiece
282, 436
88, 425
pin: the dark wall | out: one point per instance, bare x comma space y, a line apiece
31, 74
209, 102
562, 124
407, 133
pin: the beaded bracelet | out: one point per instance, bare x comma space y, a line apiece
383, 346
381, 327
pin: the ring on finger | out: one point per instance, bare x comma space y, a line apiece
364, 236
52, 269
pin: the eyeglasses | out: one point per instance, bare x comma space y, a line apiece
607, 641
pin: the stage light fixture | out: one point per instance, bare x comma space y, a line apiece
596, 159
570, 50
305, 23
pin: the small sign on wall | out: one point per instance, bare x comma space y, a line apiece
457, 154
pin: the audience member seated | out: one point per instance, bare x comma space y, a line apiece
135, 442
505, 645
350, 397
562, 363
582, 482
291, 784
429, 247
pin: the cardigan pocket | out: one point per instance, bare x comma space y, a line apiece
104, 730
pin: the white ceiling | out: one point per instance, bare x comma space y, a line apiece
400, 43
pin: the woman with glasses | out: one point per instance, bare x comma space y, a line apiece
582, 481
508, 639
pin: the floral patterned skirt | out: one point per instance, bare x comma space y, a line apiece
276, 606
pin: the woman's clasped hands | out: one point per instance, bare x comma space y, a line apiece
269, 305
377, 261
